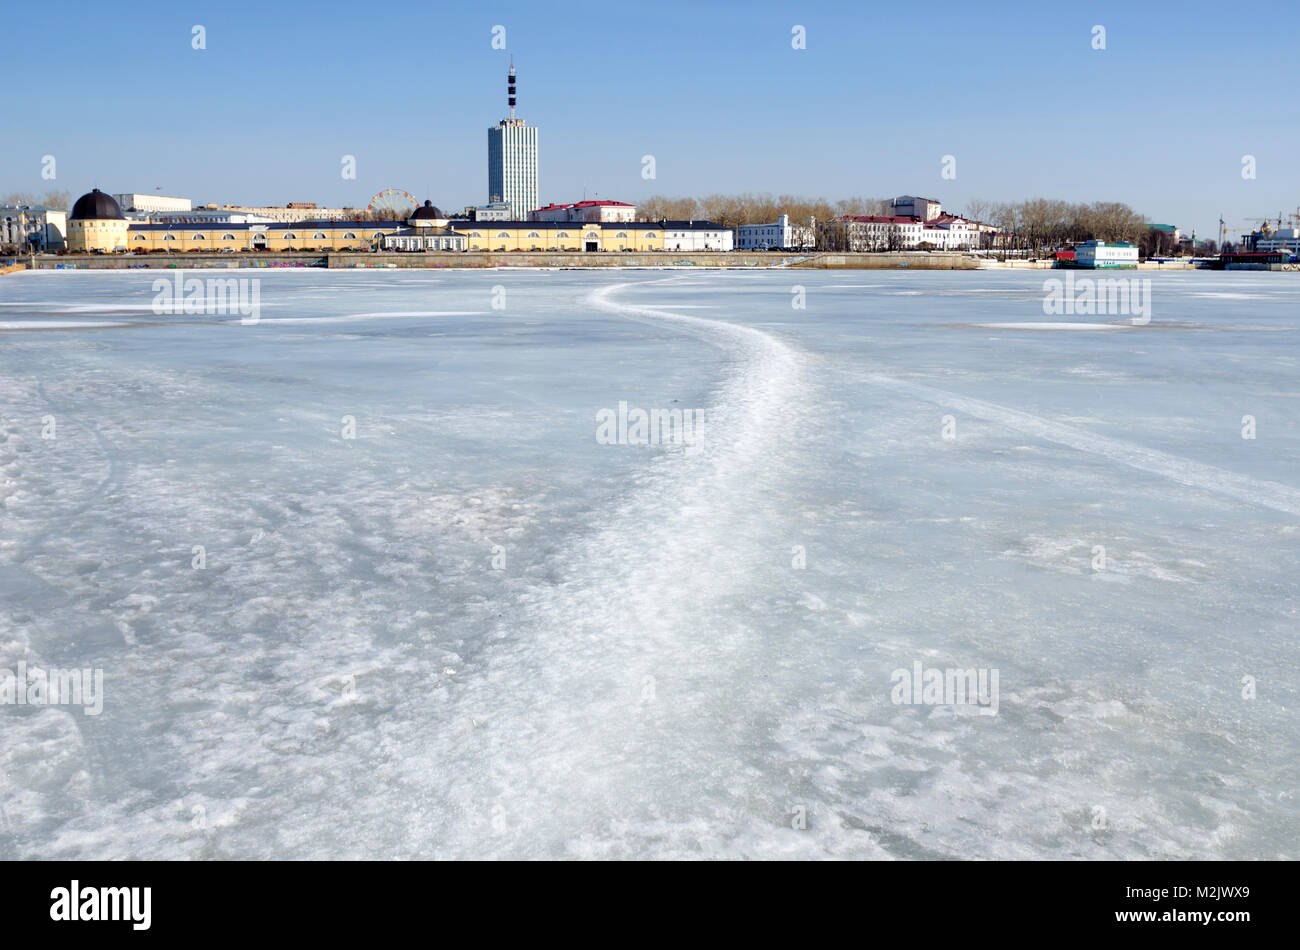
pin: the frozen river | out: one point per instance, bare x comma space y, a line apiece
364, 579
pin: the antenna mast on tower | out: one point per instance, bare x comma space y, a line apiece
510, 87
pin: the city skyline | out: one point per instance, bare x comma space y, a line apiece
720, 104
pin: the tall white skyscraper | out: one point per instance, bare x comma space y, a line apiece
512, 160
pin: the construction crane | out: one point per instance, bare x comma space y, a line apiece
1258, 222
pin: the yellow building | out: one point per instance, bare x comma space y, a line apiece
562, 235
394, 235
226, 237
96, 224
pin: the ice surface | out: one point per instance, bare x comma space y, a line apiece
648, 675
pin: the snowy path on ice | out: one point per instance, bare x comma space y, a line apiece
613, 705
1254, 491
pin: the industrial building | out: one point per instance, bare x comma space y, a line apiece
1283, 239
130, 202
1267, 239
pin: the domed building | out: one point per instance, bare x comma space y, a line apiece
425, 230
96, 224
427, 216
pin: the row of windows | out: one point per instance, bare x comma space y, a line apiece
318, 236
349, 236
591, 235
438, 244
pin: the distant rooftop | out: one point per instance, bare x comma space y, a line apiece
585, 204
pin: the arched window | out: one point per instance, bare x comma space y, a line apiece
621, 234
533, 234
227, 237
593, 235
318, 236
139, 237
475, 234
563, 234
377, 234
169, 237
649, 234
290, 236
198, 237
504, 234
349, 236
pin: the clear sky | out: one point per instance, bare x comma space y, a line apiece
1160, 119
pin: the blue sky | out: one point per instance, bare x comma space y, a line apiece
1160, 119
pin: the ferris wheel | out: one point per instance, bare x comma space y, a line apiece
393, 202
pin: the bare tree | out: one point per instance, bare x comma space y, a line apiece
54, 200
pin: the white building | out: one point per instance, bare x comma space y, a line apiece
901, 232
38, 229
285, 215
512, 166
949, 232
492, 211
586, 212
212, 216
696, 236
881, 232
133, 202
1283, 239
780, 234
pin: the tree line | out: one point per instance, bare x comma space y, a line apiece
55, 200
1036, 225
1041, 224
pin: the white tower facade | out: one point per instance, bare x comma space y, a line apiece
512, 161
